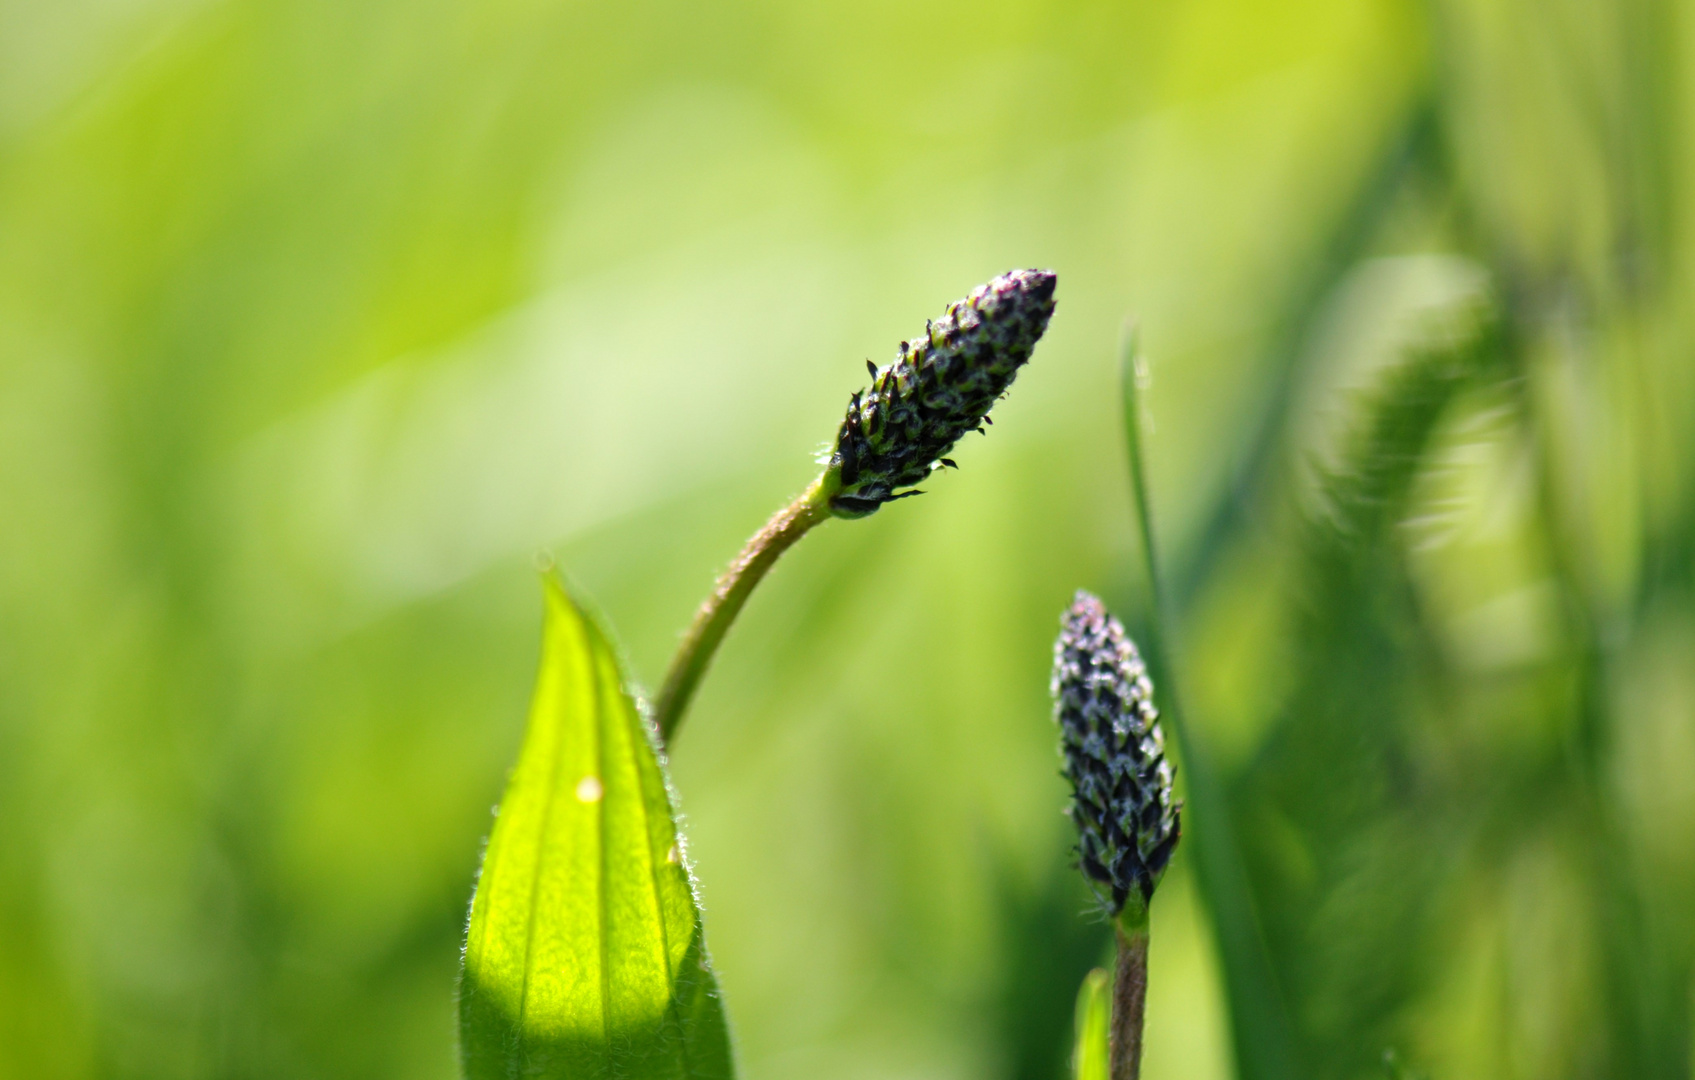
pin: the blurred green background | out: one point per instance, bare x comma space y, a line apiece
319, 320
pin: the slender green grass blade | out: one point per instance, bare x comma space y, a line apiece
1265, 1044
1092, 1055
584, 957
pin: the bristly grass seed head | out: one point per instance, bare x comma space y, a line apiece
1127, 817
938, 387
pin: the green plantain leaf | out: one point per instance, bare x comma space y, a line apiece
1092, 1057
584, 957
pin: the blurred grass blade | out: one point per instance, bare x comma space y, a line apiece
584, 956
1409, 150
1264, 1040
1329, 765
1094, 1020
1384, 450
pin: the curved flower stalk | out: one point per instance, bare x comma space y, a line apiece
1127, 817
938, 387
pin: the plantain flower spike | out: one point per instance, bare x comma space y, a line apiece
938, 387
1122, 804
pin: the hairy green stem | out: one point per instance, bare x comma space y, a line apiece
719, 610
1129, 991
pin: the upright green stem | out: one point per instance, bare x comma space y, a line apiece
720, 608
1129, 991
1261, 1031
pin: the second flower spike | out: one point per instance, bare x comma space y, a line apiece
1114, 750
939, 386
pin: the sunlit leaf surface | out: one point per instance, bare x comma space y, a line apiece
584, 956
